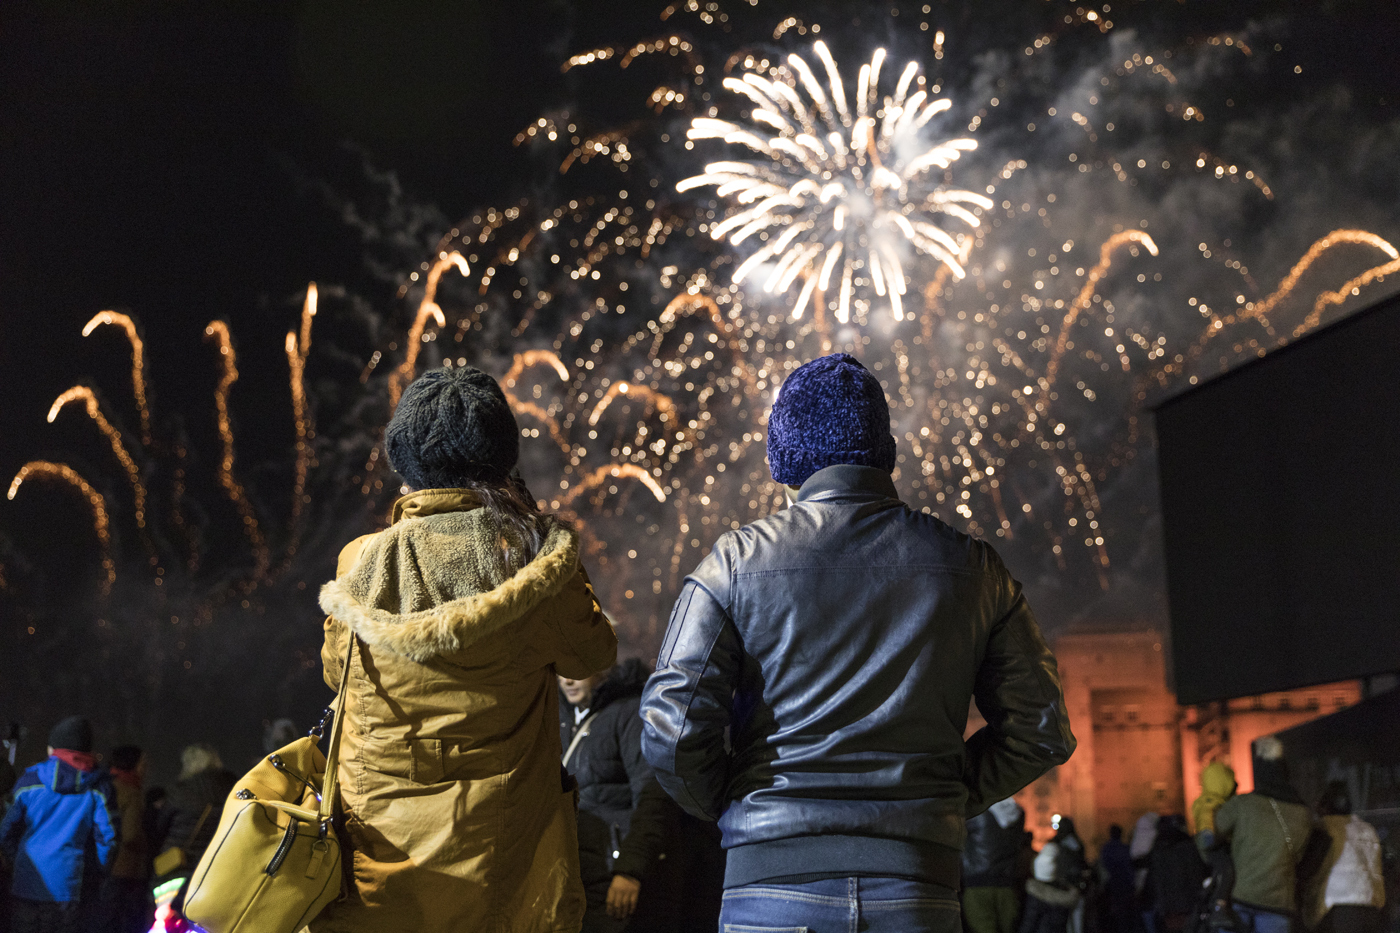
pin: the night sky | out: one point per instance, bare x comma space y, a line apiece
193, 161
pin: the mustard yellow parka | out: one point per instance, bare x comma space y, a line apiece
455, 807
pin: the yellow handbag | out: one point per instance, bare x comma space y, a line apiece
274, 862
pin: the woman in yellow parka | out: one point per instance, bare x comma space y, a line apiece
456, 620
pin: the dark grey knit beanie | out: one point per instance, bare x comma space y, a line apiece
73, 733
453, 427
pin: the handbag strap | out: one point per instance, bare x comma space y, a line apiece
331, 782
578, 737
194, 833
1287, 839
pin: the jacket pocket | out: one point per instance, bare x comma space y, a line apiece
416, 760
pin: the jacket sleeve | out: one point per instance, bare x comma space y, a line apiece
103, 834
687, 705
335, 647
588, 643
12, 829
646, 830
1018, 692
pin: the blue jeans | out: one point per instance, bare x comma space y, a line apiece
841, 905
1263, 921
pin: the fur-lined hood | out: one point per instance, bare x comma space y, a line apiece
427, 585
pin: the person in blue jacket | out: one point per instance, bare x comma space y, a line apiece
59, 815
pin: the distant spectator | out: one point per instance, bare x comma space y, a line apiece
990, 899
1266, 832
59, 814
191, 812
279, 734
1217, 786
1054, 893
1116, 877
127, 892
1175, 874
1347, 892
622, 813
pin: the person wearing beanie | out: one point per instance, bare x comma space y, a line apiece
59, 814
1217, 786
126, 893
814, 682
455, 621
1266, 833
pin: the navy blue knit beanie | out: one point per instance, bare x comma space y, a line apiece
452, 428
829, 411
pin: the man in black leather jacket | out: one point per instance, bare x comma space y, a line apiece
836, 646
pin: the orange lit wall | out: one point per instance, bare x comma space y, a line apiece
1138, 750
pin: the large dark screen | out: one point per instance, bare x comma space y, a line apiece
1281, 513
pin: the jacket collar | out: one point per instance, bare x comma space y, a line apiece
847, 481
426, 502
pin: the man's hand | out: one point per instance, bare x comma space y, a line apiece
622, 896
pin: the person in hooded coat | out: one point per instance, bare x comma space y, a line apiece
59, 815
622, 818
1267, 834
191, 812
1217, 786
455, 621
990, 900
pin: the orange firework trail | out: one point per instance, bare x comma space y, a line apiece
297, 351
694, 304
522, 362
1259, 310
218, 332
1086, 296
138, 363
614, 471
114, 437
101, 525
660, 401
1348, 289
427, 309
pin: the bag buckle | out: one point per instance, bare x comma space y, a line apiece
281, 765
320, 728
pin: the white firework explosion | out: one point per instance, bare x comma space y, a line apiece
836, 187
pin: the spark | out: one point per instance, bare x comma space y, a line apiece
427, 309
101, 525
114, 437
841, 191
218, 332
138, 363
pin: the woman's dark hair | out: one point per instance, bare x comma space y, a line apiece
523, 526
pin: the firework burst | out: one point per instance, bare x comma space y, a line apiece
840, 190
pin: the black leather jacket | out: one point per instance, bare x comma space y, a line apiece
991, 853
839, 642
